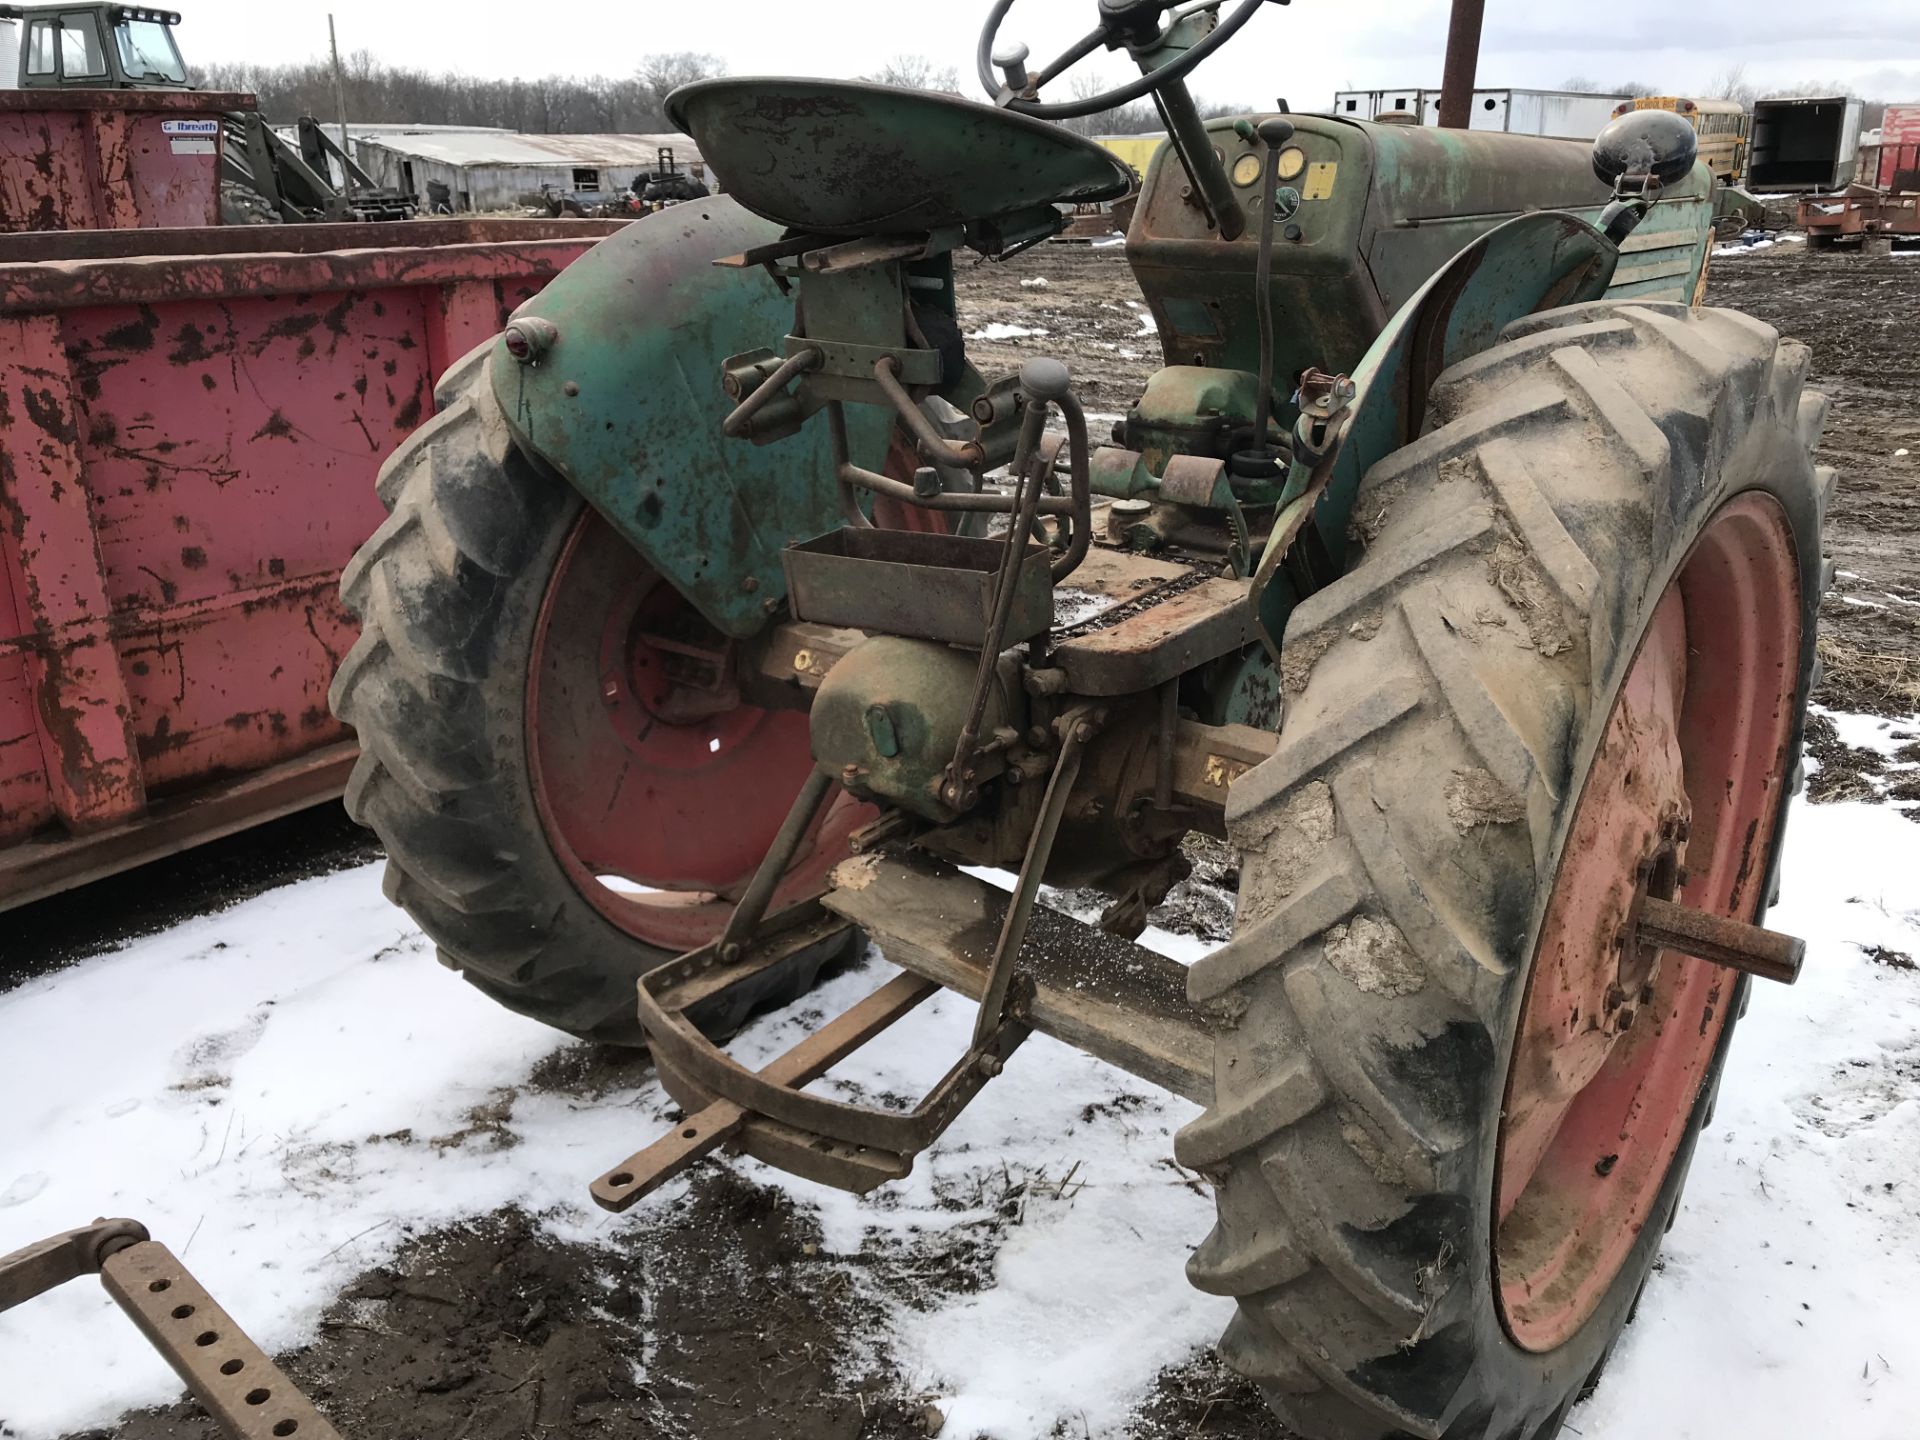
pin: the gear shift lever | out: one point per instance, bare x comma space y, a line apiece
1258, 462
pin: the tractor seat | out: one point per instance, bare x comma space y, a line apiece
836, 157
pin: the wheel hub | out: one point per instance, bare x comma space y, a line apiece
658, 789
1616, 1037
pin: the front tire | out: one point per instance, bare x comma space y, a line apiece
1593, 482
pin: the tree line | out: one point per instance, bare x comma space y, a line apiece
377, 93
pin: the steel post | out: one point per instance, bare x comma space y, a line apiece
1463, 63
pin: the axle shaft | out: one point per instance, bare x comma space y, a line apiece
1720, 940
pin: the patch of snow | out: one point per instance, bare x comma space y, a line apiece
1900, 452
1761, 241
1869, 732
283, 1091
1863, 604
1001, 330
1793, 1272
275, 1091
1035, 282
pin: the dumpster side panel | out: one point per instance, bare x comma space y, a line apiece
229, 448
198, 471
25, 803
160, 179
43, 172
85, 159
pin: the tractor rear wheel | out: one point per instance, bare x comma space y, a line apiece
568, 787
1571, 658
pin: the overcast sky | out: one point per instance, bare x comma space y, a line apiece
1304, 51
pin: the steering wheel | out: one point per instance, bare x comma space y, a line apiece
1130, 23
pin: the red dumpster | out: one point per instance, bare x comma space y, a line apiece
190, 425
111, 159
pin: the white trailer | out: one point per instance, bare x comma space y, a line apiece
1804, 143
1559, 114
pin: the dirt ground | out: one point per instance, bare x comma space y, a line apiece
749, 1329
1855, 313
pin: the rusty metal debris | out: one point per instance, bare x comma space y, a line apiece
244, 1391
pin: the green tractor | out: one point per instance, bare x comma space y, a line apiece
1456, 570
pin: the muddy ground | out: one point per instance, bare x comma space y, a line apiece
495, 1330
1855, 313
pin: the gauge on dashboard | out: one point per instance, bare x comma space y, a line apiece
1246, 170
1293, 160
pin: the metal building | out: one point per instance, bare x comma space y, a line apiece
494, 169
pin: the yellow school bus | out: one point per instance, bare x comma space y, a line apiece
1135, 150
1722, 125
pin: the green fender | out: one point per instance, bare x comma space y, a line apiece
1532, 263
626, 405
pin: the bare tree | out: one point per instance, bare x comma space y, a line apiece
1732, 84
917, 72
1140, 117
377, 94
661, 75
1590, 86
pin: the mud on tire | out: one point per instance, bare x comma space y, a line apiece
448, 591
1448, 693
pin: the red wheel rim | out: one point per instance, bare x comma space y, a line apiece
658, 790
1682, 796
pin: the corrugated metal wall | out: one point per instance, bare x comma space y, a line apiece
484, 187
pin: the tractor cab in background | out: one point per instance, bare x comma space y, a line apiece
264, 178
90, 47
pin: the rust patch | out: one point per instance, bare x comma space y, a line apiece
135, 336
277, 427
189, 346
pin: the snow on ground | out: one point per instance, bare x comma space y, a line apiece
1003, 330
284, 1090
1789, 1302
1763, 242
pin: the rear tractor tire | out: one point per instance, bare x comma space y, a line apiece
564, 804
1571, 654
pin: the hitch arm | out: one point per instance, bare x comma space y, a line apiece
244, 1391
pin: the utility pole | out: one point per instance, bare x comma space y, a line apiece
1463, 63
340, 101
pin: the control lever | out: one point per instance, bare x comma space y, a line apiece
1260, 460
1011, 57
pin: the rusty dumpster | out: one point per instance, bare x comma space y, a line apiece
190, 426
111, 159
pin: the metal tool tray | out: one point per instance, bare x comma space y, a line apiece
932, 587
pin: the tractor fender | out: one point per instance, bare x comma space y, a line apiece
624, 404
1536, 262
